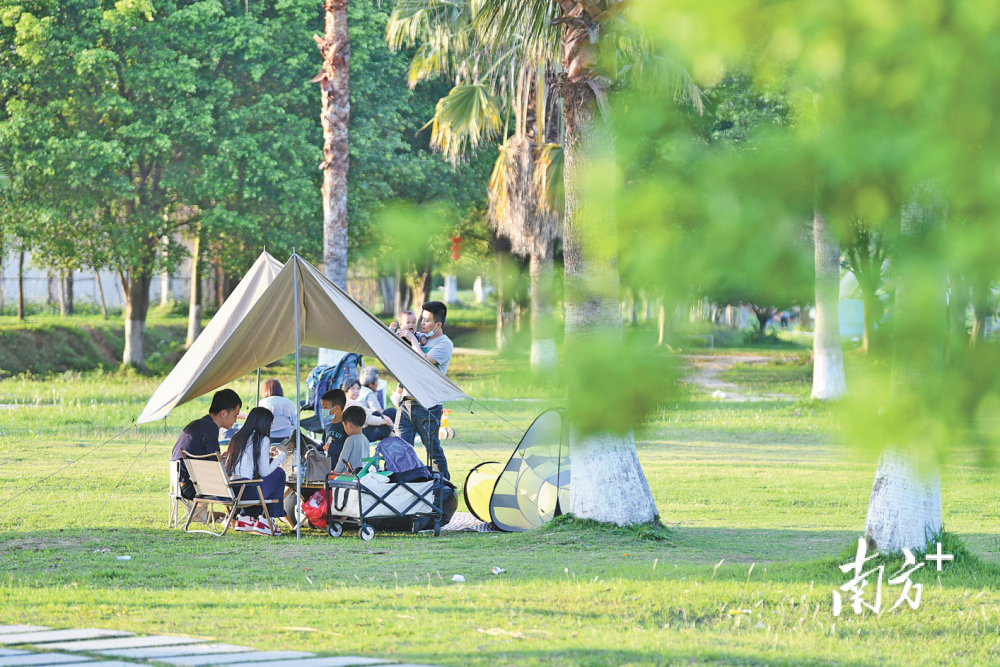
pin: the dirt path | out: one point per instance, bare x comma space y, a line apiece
707, 369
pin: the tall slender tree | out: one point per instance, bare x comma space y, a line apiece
335, 116
524, 200
573, 34
829, 381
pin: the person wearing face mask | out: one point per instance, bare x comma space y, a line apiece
333, 403
437, 349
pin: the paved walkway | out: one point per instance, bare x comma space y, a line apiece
39, 646
708, 367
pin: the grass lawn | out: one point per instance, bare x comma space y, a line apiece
763, 501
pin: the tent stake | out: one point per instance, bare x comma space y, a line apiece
298, 402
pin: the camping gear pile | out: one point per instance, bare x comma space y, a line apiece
393, 491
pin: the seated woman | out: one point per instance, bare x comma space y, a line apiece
377, 425
249, 457
282, 408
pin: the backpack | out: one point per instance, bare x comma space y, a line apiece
399, 456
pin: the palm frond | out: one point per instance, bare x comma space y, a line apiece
530, 23
464, 119
548, 178
515, 209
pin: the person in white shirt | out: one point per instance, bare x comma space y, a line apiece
282, 408
249, 457
377, 425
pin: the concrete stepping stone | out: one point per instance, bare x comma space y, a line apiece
155, 653
40, 659
60, 636
114, 663
10, 651
254, 657
124, 642
8, 629
339, 661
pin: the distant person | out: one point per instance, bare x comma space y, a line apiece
437, 349
201, 436
249, 457
282, 408
375, 399
356, 447
333, 403
377, 426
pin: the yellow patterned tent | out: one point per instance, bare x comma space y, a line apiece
534, 485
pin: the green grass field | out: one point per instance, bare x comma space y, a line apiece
762, 500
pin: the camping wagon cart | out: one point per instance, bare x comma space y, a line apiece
355, 501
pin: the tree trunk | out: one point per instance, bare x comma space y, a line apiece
136, 288
607, 483
194, 298
66, 293
661, 324
50, 298
981, 311
829, 382
544, 356
869, 332
20, 286
335, 46
335, 115
958, 302
62, 295
905, 505
164, 289
100, 295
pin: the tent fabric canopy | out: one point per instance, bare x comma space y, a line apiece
255, 327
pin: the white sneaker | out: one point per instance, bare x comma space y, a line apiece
262, 528
244, 524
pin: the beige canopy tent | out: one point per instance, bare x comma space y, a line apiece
256, 326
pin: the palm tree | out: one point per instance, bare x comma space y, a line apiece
524, 202
607, 483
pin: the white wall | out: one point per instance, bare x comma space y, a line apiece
84, 285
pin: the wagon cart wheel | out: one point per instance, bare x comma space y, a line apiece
437, 527
366, 533
413, 526
335, 529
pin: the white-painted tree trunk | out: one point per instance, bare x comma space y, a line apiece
450, 289
829, 382
905, 505
607, 482
133, 356
544, 356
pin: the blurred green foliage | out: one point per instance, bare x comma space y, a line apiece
879, 112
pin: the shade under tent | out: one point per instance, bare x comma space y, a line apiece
256, 326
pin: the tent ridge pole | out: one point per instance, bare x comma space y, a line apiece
298, 402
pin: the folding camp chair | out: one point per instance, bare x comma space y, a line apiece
213, 487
